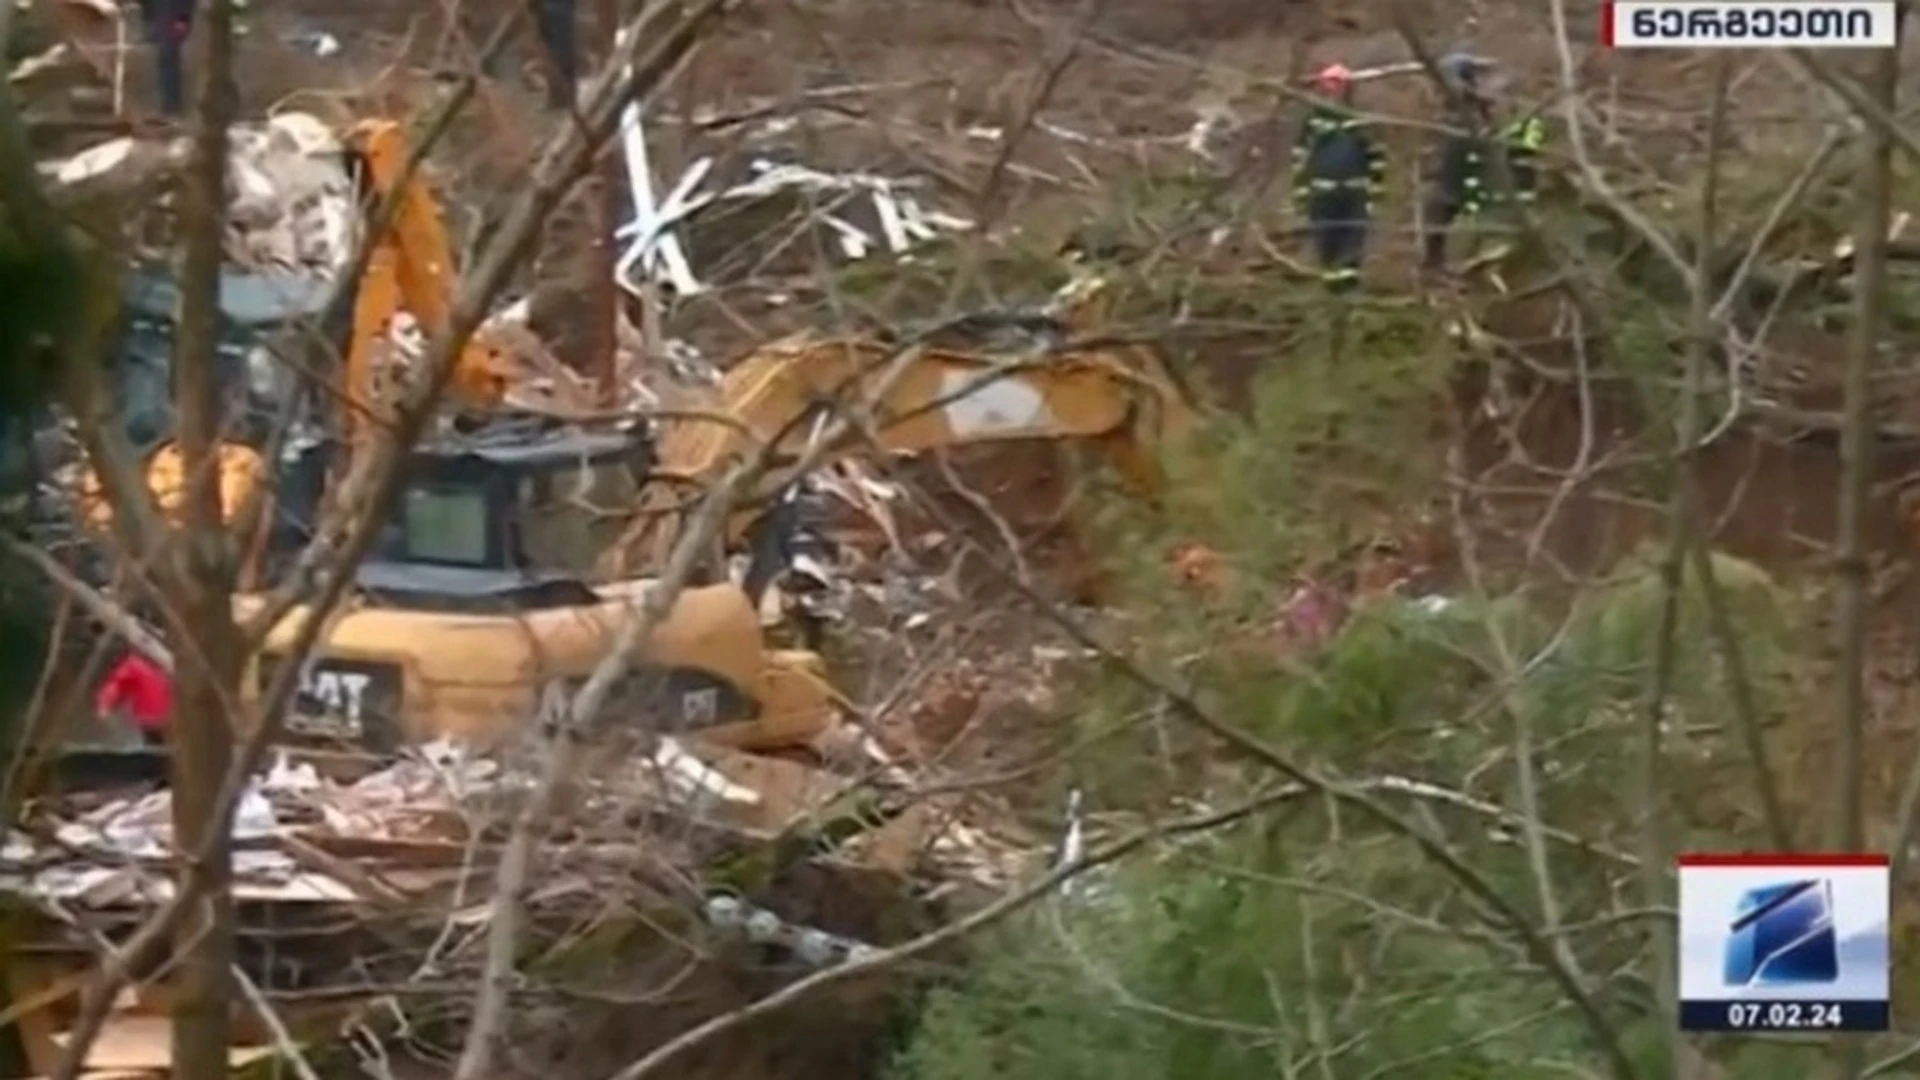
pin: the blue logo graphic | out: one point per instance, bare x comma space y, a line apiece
1782, 935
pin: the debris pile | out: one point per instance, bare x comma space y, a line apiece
362, 884
293, 207
778, 219
348, 886
774, 216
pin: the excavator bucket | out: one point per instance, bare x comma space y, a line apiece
241, 472
978, 379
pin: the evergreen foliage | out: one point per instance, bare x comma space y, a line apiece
1310, 941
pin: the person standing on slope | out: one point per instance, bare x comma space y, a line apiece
559, 34
167, 23
1464, 186
1338, 171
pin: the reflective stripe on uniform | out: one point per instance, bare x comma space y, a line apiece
1319, 128
1528, 134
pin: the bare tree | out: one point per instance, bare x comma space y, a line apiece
187, 569
1858, 436
1853, 572
198, 566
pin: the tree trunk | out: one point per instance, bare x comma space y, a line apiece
608, 205
202, 753
199, 588
1857, 439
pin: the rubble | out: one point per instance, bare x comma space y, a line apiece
353, 876
293, 208
863, 214
350, 876
294, 205
860, 214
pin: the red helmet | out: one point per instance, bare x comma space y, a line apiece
1333, 79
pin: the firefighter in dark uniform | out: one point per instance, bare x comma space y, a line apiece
1338, 171
167, 24
1464, 185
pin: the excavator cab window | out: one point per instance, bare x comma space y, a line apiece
450, 525
542, 503
567, 517
448, 512
452, 511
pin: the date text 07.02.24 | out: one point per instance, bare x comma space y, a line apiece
1810, 1015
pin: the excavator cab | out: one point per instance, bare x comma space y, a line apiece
262, 318
504, 517
476, 601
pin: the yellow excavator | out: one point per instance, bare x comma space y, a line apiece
982, 378
507, 564
477, 609
473, 609
409, 270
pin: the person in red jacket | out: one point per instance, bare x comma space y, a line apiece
138, 692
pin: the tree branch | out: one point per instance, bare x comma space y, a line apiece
477, 1057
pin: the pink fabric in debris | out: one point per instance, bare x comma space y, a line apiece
1312, 614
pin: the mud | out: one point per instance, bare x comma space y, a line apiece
1769, 496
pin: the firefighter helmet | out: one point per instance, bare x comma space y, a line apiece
1463, 72
1333, 79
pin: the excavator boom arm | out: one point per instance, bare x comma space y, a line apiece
410, 269
1120, 397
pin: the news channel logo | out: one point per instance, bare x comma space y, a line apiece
1784, 942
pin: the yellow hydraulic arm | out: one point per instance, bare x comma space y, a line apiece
410, 268
1119, 397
